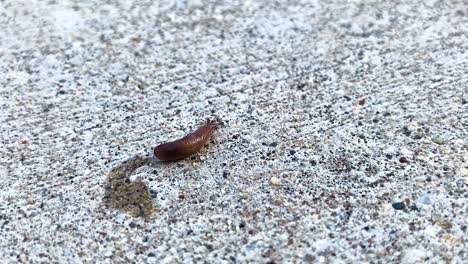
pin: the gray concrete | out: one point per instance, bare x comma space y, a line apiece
358, 108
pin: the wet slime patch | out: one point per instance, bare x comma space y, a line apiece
122, 194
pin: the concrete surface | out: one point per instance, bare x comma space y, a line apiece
345, 137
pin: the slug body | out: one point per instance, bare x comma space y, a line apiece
186, 146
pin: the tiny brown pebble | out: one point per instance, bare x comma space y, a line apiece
251, 232
23, 142
181, 196
278, 202
362, 102
403, 160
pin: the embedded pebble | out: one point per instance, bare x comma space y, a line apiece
414, 255
406, 152
426, 199
275, 181
438, 140
464, 171
398, 205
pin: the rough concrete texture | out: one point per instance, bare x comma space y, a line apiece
345, 135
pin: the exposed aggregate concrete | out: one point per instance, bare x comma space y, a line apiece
345, 135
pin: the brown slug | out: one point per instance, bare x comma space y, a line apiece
188, 145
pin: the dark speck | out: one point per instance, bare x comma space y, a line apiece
398, 206
403, 160
209, 247
406, 131
274, 144
301, 86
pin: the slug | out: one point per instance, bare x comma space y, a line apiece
188, 145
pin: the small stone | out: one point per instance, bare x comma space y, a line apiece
414, 255
464, 171
362, 102
406, 152
244, 196
398, 206
275, 181
426, 199
309, 258
278, 202
403, 160
438, 140
445, 224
